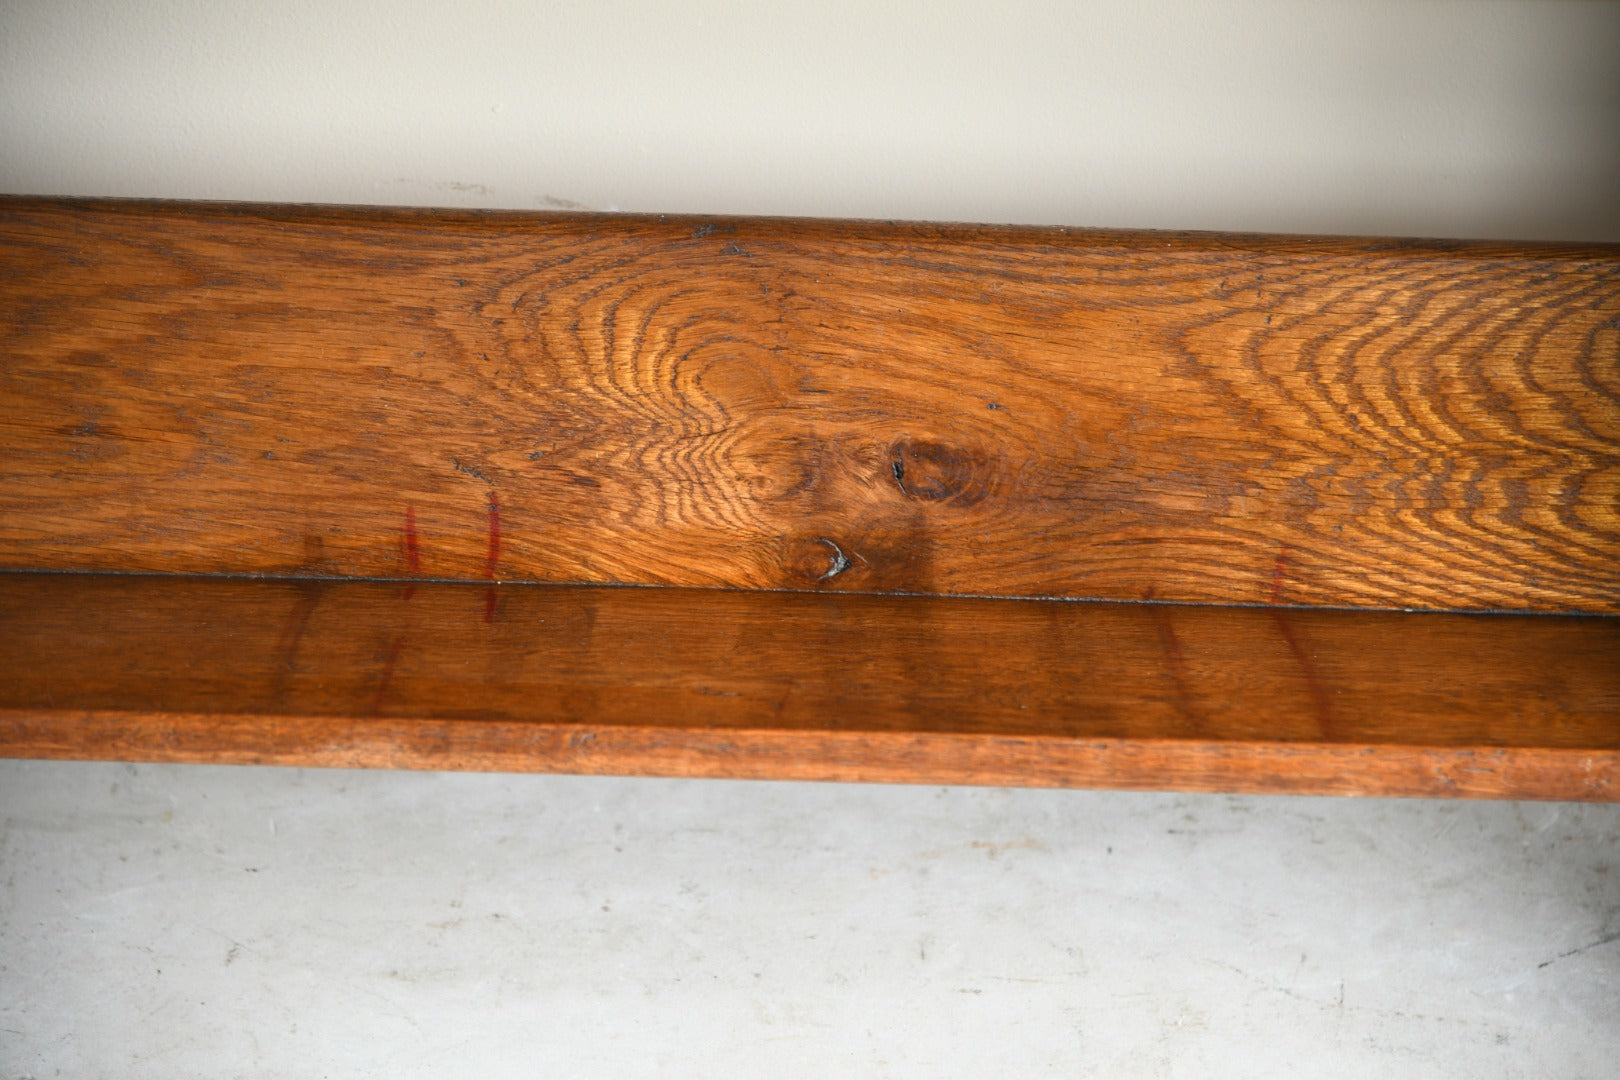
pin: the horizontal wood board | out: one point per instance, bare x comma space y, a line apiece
809, 405
774, 684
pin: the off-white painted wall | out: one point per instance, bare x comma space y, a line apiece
1452, 117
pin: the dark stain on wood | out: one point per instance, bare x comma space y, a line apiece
933, 472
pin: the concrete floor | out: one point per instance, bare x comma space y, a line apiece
174, 921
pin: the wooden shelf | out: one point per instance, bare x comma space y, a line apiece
817, 447
837, 687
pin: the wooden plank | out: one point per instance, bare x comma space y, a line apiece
773, 684
809, 405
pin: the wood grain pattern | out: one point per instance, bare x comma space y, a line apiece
718, 683
809, 405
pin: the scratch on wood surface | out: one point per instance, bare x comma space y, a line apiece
840, 561
390, 659
493, 558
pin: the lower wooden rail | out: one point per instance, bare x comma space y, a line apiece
836, 687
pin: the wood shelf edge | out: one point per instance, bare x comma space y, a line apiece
1301, 768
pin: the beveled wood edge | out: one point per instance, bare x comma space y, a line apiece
505, 218
1298, 768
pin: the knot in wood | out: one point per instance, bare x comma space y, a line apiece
934, 472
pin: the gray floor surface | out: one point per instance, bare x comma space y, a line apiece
174, 921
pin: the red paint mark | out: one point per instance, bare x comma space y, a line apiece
494, 536
390, 658
413, 547
494, 557
1279, 575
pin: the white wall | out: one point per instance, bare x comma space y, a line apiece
1451, 117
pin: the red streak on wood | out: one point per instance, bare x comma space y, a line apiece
413, 550
494, 536
494, 554
413, 547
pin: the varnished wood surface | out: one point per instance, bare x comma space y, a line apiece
817, 406
718, 683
